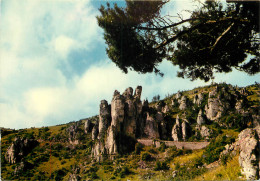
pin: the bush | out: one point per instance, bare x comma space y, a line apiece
138, 148
215, 147
162, 147
161, 166
146, 156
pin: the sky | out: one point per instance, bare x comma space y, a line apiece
54, 68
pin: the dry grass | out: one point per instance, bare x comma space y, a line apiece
230, 171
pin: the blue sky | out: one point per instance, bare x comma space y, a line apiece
54, 69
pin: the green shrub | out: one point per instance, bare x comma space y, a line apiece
161, 166
138, 148
162, 147
146, 156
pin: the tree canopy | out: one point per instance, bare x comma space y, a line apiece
215, 38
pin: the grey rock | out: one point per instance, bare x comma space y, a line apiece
205, 132
74, 177
176, 130
73, 133
104, 117
166, 109
87, 126
198, 99
178, 95
138, 92
186, 130
248, 159
151, 127
117, 110
94, 132
19, 148
183, 103
200, 119
214, 109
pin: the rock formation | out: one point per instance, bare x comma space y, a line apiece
151, 128
73, 133
214, 108
200, 119
249, 152
248, 146
87, 126
176, 130
183, 103
94, 132
181, 131
125, 115
178, 95
104, 117
19, 148
198, 99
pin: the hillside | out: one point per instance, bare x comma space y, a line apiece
202, 134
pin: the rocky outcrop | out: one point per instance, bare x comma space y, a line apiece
183, 103
117, 110
178, 95
151, 127
94, 132
205, 132
214, 108
125, 114
200, 118
247, 145
186, 130
87, 126
19, 148
104, 117
181, 131
73, 133
249, 152
239, 105
198, 98
162, 125
166, 109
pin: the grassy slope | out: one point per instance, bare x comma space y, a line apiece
68, 157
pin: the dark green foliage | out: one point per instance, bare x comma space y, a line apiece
161, 166
162, 147
146, 156
138, 148
139, 38
215, 147
59, 174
